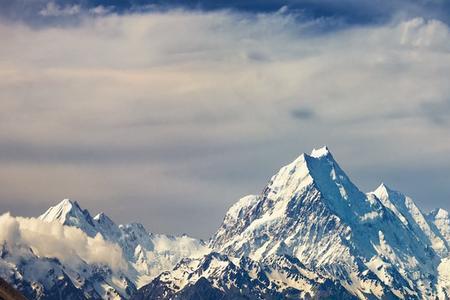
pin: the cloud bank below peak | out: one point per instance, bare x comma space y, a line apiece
68, 244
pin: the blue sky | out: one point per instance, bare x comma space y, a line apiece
167, 113
345, 12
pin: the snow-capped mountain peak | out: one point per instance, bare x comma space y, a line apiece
69, 212
311, 210
440, 213
148, 253
61, 211
106, 227
320, 152
441, 219
382, 189
319, 169
410, 215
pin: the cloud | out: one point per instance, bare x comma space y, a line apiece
54, 10
420, 33
100, 10
181, 111
437, 111
68, 244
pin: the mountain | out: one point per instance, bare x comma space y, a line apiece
310, 234
149, 254
69, 213
410, 215
217, 276
51, 261
144, 255
441, 219
376, 244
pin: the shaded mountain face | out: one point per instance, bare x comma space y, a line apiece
310, 234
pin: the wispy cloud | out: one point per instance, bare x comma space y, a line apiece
54, 10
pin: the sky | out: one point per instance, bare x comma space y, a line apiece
168, 112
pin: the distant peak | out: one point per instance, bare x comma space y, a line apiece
61, 212
320, 152
65, 202
440, 213
383, 187
384, 190
68, 203
101, 217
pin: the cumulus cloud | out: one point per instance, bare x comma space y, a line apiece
183, 111
68, 244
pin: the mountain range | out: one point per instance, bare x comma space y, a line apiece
310, 234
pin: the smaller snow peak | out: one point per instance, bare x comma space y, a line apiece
384, 186
384, 192
67, 203
68, 212
382, 189
440, 214
100, 216
320, 152
60, 211
103, 219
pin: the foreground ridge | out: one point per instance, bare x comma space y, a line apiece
310, 234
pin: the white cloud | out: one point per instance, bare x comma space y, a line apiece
420, 33
54, 10
68, 244
100, 10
